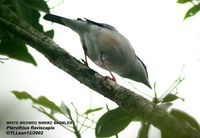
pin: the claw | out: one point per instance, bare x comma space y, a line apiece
113, 78
85, 62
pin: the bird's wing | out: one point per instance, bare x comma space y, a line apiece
145, 67
101, 25
74, 24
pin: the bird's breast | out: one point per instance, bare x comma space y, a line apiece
115, 48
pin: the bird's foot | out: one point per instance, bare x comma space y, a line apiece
113, 78
84, 62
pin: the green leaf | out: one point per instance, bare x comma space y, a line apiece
185, 117
42, 101
93, 110
170, 97
48, 104
144, 130
64, 108
183, 1
23, 95
15, 48
29, 10
28, 14
192, 11
38, 5
165, 134
113, 122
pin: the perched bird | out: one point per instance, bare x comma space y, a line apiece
106, 47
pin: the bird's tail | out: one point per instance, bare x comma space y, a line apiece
78, 26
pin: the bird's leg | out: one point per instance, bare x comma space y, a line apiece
104, 64
85, 61
85, 52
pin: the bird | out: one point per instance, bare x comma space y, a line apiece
106, 47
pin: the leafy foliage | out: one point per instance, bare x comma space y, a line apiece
112, 122
81, 122
144, 130
193, 10
29, 11
15, 48
170, 97
183, 1
39, 5
183, 116
43, 101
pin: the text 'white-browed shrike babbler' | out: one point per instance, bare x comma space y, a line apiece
106, 47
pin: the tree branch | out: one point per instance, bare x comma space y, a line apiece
128, 100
